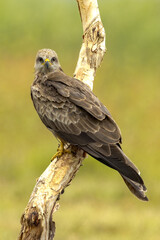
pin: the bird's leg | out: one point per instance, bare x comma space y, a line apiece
60, 151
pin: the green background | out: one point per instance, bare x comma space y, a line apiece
97, 205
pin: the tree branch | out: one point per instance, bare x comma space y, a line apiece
36, 220
93, 46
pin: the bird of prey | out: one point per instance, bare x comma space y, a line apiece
71, 111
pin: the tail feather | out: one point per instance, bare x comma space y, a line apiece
137, 189
120, 162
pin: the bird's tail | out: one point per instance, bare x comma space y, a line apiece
116, 159
136, 188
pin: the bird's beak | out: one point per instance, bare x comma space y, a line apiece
47, 62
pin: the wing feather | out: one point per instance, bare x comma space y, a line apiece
79, 93
94, 115
73, 113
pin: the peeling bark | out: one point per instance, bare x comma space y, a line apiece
93, 45
36, 220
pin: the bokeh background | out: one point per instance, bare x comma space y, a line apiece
97, 205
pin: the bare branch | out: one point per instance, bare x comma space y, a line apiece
36, 220
93, 46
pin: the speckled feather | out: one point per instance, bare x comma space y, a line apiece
71, 111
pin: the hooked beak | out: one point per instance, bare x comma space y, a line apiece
47, 63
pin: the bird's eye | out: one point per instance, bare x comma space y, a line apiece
53, 59
40, 59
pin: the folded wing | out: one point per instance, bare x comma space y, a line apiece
73, 113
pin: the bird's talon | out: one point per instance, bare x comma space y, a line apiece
60, 151
58, 154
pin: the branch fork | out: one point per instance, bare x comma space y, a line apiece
36, 220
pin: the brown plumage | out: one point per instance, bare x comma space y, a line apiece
71, 111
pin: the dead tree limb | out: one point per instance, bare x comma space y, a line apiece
36, 220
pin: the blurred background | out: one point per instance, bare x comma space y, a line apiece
97, 205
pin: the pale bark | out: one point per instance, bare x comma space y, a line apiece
93, 45
36, 220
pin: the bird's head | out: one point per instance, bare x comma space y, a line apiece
46, 61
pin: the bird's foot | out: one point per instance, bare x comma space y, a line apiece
60, 151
